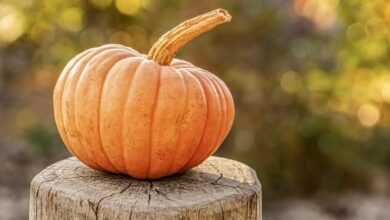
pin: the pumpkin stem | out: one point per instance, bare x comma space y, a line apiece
166, 47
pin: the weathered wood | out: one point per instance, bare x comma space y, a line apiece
218, 189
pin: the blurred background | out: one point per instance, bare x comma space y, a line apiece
310, 78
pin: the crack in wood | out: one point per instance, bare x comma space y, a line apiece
163, 194
222, 210
149, 191
36, 194
253, 202
132, 209
96, 207
236, 188
218, 179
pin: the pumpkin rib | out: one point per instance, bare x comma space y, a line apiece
154, 106
168, 118
57, 101
224, 110
138, 111
79, 149
120, 68
185, 83
220, 114
77, 70
123, 114
181, 64
222, 128
228, 97
131, 50
230, 104
227, 114
195, 138
104, 150
216, 120
92, 69
224, 101
187, 165
137, 70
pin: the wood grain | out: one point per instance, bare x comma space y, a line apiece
217, 189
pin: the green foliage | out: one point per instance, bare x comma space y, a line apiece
40, 139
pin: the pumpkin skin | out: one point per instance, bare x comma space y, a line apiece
119, 111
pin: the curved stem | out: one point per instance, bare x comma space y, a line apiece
166, 47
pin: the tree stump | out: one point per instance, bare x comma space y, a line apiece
217, 189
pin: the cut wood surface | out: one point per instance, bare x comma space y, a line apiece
217, 189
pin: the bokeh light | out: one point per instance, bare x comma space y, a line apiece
322, 13
385, 91
71, 19
128, 7
386, 12
12, 23
368, 115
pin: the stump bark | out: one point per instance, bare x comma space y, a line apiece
217, 189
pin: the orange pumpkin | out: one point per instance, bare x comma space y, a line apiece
147, 116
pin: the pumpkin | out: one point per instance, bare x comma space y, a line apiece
147, 116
